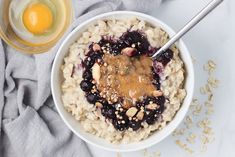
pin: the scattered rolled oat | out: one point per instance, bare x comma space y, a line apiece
188, 122
146, 153
157, 154
119, 154
186, 137
191, 138
179, 132
197, 110
213, 82
193, 59
210, 67
184, 146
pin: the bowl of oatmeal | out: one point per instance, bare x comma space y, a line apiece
108, 89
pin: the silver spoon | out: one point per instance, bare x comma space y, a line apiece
195, 20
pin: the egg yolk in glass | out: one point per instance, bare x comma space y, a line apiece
38, 18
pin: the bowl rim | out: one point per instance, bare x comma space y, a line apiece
180, 114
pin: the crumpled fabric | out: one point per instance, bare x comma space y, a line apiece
29, 123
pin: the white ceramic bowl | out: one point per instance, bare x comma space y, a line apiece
56, 81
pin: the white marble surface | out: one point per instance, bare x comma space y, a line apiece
213, 38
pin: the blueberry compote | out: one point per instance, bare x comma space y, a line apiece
122, 81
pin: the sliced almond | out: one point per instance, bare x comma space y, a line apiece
157, 93
127, 104
129, 51
140, 115
96, 47
131, 111
96, 72
152, 106
98, 104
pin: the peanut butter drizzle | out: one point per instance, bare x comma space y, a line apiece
127, 77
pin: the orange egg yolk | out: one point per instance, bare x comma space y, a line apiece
38, 18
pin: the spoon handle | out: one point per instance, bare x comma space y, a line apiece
196, 19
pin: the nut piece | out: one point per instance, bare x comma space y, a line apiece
157, 93
96, 47
126, 104
140, 115
98, 104
129, 51
96, 72
131, 111
152, 106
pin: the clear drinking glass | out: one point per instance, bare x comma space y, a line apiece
10, 37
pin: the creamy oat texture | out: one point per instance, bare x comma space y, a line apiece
88, 116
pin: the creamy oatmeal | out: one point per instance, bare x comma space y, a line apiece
113, 87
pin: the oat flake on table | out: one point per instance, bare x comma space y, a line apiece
184, 136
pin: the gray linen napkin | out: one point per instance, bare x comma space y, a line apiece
29, 123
